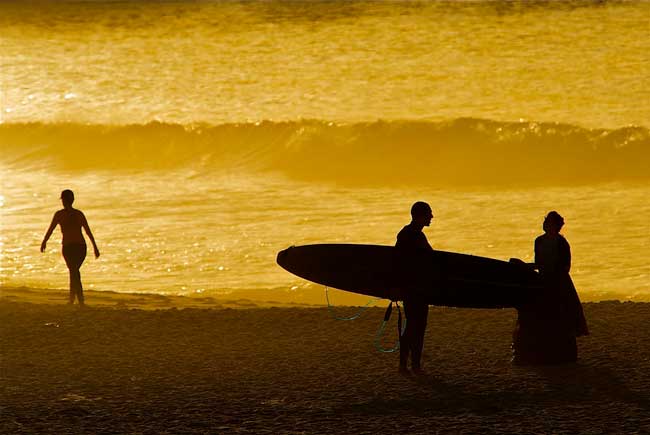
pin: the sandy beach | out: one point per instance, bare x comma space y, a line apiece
130, 365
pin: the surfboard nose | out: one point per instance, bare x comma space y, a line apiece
283, 257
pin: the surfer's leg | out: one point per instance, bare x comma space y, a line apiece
422, 313
403, 352
404, 339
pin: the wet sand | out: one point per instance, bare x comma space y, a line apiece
131, 365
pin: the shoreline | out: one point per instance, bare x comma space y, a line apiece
243, 300
144, 301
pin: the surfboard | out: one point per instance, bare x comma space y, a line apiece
441, 278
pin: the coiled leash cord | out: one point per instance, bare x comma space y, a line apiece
401, 325
400, 329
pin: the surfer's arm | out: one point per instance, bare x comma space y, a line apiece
86, 227
534, 266
55, 222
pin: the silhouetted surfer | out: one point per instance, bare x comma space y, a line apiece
412, 242
546, 330
71, 221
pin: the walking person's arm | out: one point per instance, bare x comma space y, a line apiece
86, 227
55, 222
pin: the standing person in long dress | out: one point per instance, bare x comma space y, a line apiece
546, 330
72, 221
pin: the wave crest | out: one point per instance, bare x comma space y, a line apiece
459, 152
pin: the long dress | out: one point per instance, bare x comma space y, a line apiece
547, 328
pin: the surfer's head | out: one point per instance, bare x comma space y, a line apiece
553, 222
421, 213
67, 198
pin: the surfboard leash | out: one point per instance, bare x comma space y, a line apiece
355, 316
401, 327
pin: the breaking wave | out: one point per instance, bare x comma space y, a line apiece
464, 151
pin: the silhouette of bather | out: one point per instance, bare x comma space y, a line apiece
71, 221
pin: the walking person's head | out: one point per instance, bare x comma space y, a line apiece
553, 223
67, 198
421, 213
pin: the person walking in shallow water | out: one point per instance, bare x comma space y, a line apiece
412, 243
546, 330
72, 221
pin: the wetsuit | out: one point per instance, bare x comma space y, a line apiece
411, 241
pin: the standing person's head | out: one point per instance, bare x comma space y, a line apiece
421, 213
553, 223
67, 198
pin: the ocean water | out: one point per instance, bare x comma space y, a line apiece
201, 138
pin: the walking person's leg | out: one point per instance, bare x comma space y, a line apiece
74, 256
80, 257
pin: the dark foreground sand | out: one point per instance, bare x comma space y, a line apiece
115, 370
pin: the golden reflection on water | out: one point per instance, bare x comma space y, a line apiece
211, 236
203, 138
584, 63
